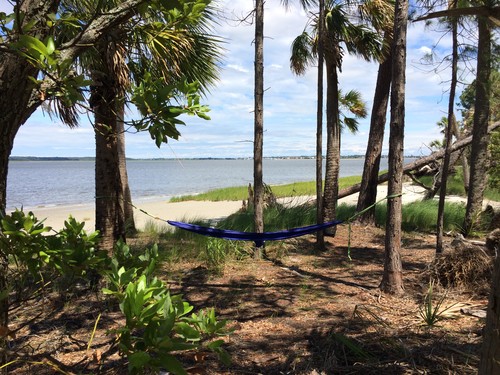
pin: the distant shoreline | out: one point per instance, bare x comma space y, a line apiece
91, 158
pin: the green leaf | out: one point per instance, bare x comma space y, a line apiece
139, 359
51, 46
33, 44
215, 344
187, 332
172, 364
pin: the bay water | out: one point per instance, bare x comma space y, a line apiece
54, 183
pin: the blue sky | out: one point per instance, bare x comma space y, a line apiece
289, 101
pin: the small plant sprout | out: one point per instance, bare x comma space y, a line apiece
433, 310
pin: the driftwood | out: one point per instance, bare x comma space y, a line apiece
419, 163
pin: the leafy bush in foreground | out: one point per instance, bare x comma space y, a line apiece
156, 322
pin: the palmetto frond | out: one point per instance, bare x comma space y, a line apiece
305, 4
378, 13
178, 49
302, 53
352, 102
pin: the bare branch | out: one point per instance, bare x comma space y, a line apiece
493, 14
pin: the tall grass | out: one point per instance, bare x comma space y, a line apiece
241, 192
277, 217
417, 216
181, 245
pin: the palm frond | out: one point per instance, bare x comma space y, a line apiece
302, 54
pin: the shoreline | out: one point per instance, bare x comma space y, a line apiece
160, 210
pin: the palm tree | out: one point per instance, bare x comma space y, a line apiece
340, 33
306, 4
173, 50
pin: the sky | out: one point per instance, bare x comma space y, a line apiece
289, 100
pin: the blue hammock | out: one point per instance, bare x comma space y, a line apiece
258, 238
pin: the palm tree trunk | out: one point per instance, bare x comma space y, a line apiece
330, 195
368, 193
392, 279
480, 138
108, 187
105, 95
320, 237
127, 207
259, 122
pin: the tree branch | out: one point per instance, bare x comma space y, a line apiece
493, 14
99, 26
419, 163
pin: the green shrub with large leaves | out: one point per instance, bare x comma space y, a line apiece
157, 323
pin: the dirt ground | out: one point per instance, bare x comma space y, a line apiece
298, 313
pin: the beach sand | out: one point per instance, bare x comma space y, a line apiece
161, 210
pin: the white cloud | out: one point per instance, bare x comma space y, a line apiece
289, 101
425, 50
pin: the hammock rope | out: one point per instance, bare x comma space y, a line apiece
258, 238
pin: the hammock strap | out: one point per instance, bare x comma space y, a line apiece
258, 238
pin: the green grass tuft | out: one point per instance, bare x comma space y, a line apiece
239, 193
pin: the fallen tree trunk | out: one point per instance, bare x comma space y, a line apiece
419, 163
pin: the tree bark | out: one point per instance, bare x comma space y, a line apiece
108, 184
392, 279
330, 195
15, 108
320, 236
368, 193
490, 356
480, 138
449, 134
127, 207
259, 122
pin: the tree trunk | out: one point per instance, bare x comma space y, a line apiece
127, 207
392, 279
258, 122
330, 195
108, 187
449, 133
17, 104
480, 138
4, 306
368, 193
490, 356
438, 178
463, 158
320, 236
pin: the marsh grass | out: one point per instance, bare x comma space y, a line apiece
417, 216
238, 193
276, 217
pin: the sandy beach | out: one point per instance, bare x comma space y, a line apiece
162, 210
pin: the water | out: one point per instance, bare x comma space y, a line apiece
53, 183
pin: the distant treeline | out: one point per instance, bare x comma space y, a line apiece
90, 158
